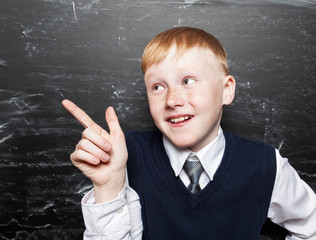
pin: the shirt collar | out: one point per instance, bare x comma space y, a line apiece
210, 156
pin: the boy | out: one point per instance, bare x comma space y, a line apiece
190, 180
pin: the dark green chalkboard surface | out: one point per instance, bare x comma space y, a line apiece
89, 52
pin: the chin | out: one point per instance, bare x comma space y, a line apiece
180, 143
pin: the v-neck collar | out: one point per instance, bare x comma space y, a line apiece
195, 200
210, 156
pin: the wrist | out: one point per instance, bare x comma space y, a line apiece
108, 191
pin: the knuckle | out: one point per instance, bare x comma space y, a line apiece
73, 157
88, 133
83, 144
85, 132
79, 156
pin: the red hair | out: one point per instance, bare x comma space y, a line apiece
184, 38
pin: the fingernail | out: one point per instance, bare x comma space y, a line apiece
96, 160
107, 147
105, 157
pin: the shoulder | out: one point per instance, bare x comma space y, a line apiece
232, 139
240, 146
254, 155
143, 148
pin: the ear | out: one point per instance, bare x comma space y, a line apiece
229, 90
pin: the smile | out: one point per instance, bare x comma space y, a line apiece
180, 119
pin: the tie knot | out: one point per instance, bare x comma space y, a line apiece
193, 169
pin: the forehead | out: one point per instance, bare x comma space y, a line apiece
198, 58
193, 56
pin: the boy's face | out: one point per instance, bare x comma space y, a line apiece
186, 94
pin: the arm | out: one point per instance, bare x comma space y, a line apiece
117, 219
102, 157
293, 202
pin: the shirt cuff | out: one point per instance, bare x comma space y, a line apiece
109, 219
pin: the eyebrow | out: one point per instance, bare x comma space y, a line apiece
148, 75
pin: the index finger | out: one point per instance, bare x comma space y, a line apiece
81, 116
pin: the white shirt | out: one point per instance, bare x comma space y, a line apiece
292, 206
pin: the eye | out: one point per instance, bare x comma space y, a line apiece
188, 81
158, 87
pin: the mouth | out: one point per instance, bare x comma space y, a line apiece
180, 119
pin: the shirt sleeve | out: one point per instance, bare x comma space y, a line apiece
116, 219
293, 202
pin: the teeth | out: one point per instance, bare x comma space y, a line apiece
180, 119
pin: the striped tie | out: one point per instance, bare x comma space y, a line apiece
193, 169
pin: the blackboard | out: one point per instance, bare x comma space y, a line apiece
89, 51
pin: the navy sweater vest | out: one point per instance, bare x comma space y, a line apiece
233, 206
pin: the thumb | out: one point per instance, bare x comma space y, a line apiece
112, 121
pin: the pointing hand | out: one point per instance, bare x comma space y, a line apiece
100, 155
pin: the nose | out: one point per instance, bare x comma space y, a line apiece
174, 98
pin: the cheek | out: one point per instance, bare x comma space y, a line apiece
208, 99
155, 107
